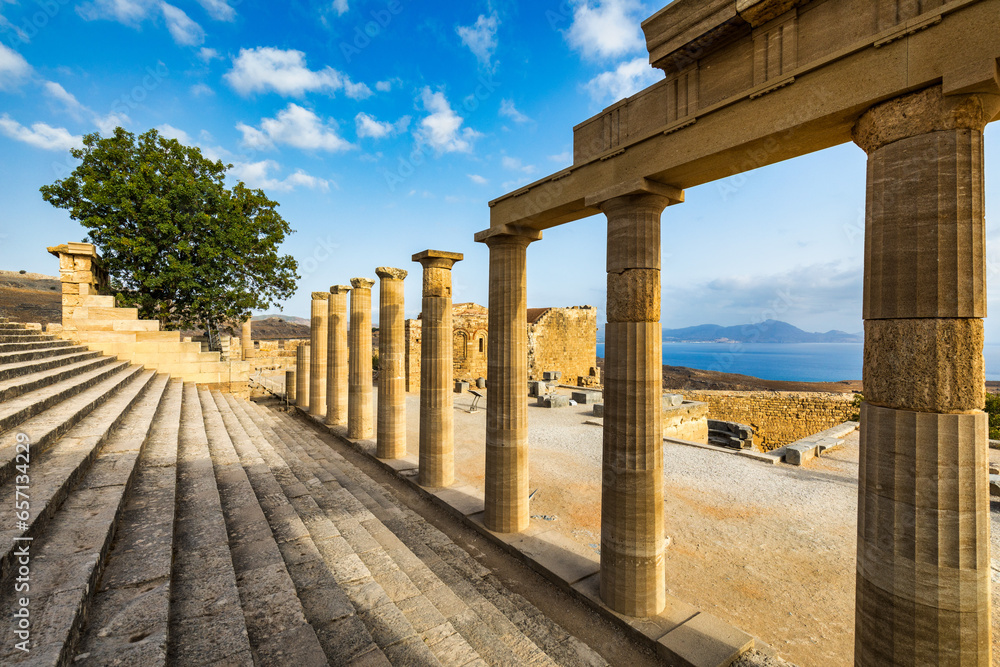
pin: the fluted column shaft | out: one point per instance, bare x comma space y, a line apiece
437, 423
507, 386
290, 388
246, 339
318, 355
359, 396
391, 443
302, 376
923, 566
337, 365
632, 530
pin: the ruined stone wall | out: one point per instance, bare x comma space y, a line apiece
778, 417
469, 321
563, 339
687, 421
412, 334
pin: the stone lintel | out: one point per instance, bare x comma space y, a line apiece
636, 186
340, 289
320, 296
438, 259
72, 248
362, 283
508, 230
982, 76
389, 273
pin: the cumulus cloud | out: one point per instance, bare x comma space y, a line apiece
383, 86
171, 132
515, 164
184, 31
508, 109
218, 9
107, 124
294, 126
40, 135
202, 90
442, 129
267, 69
340, 6
369, 126
258, 175
128, 12
477, 179
627, 79
13, 68
207, 55
481, 38
606, 28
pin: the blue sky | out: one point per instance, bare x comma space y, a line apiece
384, 128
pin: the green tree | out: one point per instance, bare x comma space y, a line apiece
176, 243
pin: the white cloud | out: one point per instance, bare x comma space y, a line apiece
563, 158
218, 10
383, 86
207, 55
369, 126
477, 179
627, 79
508, 109
481, 38
128, 12
257, 175
294, 126
5, 23
264, 69
515, 164
184, 31
202, 90
13, 68
442, 129
107, 124
606, 28
171, 132
60, 94
40, 135
340, 6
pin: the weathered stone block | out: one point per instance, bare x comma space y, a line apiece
586, 397
461, 387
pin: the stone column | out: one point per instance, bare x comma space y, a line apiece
318, 354
632, 530
336, 368
290, 386
392, 366
507, 380
302, 376
359, 396
437, 423
923, 568
246, 339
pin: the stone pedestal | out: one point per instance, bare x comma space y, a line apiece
318, 353
302, 376
391, 443
337, 365
437, 423
290, 387
507, 370
923, 568
632, 530
359, 395
246, 339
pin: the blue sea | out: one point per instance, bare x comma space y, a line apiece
797, 362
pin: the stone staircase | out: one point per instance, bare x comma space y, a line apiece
164, 523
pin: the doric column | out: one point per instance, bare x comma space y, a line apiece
391, 442
302, 376
290, 387
359, 395
507, 380
923, 568
437, 423
246, 339
336, 367
632, 531
318, 354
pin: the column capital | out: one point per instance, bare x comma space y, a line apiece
362, 283
320, 296
389, 273
339, 289
638, 186
438, 259
508, 233
923, 112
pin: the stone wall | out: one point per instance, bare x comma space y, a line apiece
469, 322
412, 333
687, 421
778, 417
562, 339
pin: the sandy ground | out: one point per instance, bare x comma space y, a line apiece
769, 548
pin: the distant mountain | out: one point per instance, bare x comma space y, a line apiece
769, 331
285, 318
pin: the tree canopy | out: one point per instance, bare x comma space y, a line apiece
175, 241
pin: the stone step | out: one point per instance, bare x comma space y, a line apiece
207, 625
44, 429
8, 337
22, 347
53, 472
275, 622
67, 555
11, 326
365, 624
54, 358
26, 406
10, 389
128, 619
